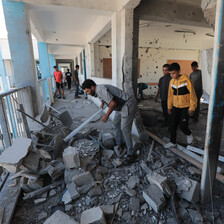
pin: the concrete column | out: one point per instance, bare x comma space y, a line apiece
52, 63
43, 58
45, 69
3, 73
123, 44
20, 43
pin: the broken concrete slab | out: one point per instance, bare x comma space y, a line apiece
153, 195
83, 179
159, 181
60, 217
71, 157
93, 215
96, 191
74, 194
12, 157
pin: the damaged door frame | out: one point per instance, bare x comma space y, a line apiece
216, 110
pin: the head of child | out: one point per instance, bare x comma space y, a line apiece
166, 69
194, 66
89, 86
174, 70
77, 67
56, 68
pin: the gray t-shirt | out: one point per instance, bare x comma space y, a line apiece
197, 81
106, 93
164, 86
76, 74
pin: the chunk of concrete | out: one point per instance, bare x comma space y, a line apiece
188, 189
154, 197
93, 216
60, 217
55, 169
74, 194
66, 198
71, 157
135, 204
83, 179
69, 174
108, 140
12, 157
133, 181
159, 181
196, 217
31, 162
108, 209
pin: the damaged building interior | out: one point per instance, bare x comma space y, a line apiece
82, 132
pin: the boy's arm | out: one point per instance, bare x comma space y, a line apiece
157, 94
193, 97
170, 99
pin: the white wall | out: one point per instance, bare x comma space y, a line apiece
152, 60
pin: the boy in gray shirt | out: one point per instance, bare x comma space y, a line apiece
125, 107
196, 78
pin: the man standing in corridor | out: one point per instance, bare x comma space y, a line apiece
59, 82
125, 107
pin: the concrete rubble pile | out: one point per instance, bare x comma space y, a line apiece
90, 184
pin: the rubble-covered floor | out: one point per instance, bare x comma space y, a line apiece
123, 185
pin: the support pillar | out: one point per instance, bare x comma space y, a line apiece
125, 50
45, 69
216, 109
52, 63
20, 43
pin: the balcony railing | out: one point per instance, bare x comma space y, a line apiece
11, 121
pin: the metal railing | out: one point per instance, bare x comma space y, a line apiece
11, 121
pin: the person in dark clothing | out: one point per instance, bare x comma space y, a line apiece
196, 78
68, 76
163, 91
76, 81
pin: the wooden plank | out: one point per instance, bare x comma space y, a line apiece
201, 152
9, 197
107, 68
188, 158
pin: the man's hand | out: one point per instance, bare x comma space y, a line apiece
191, 112
105, 118
169, 111
102, 105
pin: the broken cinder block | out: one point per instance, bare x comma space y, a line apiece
154, 197
108, 140
71, 157
60, 217
159, 181
12, 157
93, 215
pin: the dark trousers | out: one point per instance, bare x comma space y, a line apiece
69, 81
165, 113
197, 110
77, 89
179, 116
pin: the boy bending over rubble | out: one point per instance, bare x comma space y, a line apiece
125, 107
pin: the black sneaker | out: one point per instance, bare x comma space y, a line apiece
59, 97
64, 97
